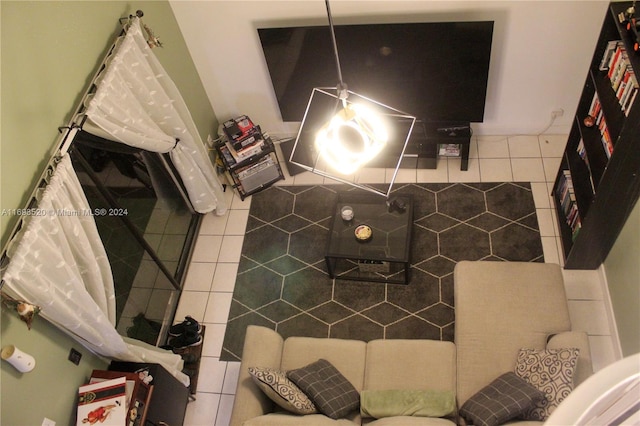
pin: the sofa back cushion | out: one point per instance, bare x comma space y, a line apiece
502, 307
410, 365
348, 356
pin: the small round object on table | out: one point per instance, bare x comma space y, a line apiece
363, 233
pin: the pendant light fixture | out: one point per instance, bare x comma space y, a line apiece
342, 132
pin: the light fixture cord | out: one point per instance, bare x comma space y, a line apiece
342, 88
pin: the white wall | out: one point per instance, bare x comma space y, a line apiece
541, 51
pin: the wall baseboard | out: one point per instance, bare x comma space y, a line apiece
611, 319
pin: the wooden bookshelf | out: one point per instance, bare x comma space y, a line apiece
602, 157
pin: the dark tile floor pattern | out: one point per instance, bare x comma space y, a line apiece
282, 281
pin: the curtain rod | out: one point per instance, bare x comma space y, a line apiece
64, 141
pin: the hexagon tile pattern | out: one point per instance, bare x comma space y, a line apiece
283, 284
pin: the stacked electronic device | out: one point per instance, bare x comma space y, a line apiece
248, 156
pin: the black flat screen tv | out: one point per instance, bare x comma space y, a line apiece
436, 71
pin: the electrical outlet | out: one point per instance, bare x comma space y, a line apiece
210, 141
559, 112
48, 422
75, 356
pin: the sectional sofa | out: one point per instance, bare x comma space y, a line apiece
501, 308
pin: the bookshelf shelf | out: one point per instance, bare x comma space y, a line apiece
598, 182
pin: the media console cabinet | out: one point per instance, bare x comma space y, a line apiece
422, 149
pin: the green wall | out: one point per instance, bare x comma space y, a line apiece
623, 277
50, 52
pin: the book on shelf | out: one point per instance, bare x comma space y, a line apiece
104, 403
614, 60
620, 73
615, 57
567, 202
575, 229
629, 102
595, 107
624, 88
582, 153
607, 142
595, 110
608, 54
618, 68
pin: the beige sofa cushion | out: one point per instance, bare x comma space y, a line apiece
410, 365
500, 308
285, 419
411, 421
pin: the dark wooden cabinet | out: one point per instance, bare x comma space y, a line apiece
169, 399
597, 184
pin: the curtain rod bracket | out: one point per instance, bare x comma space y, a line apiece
152, 39
139, 14
61, 129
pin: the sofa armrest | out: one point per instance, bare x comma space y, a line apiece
262, 348
501, 307
575, 339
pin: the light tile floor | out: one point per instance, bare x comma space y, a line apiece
211, 276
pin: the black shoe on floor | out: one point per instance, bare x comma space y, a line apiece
186, 340
188, 325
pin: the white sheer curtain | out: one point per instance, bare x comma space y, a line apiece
58, 262
137, 103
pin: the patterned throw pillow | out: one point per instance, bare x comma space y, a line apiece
506, 398
282, 391
330, 391
550, 371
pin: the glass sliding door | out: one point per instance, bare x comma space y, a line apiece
147, 226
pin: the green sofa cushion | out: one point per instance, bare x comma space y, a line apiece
419, 403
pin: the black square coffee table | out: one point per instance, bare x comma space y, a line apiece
385, 257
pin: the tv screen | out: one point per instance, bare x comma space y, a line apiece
436, 71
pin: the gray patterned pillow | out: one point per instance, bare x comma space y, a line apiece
550, 371
506, 398
282, 391
329, 390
